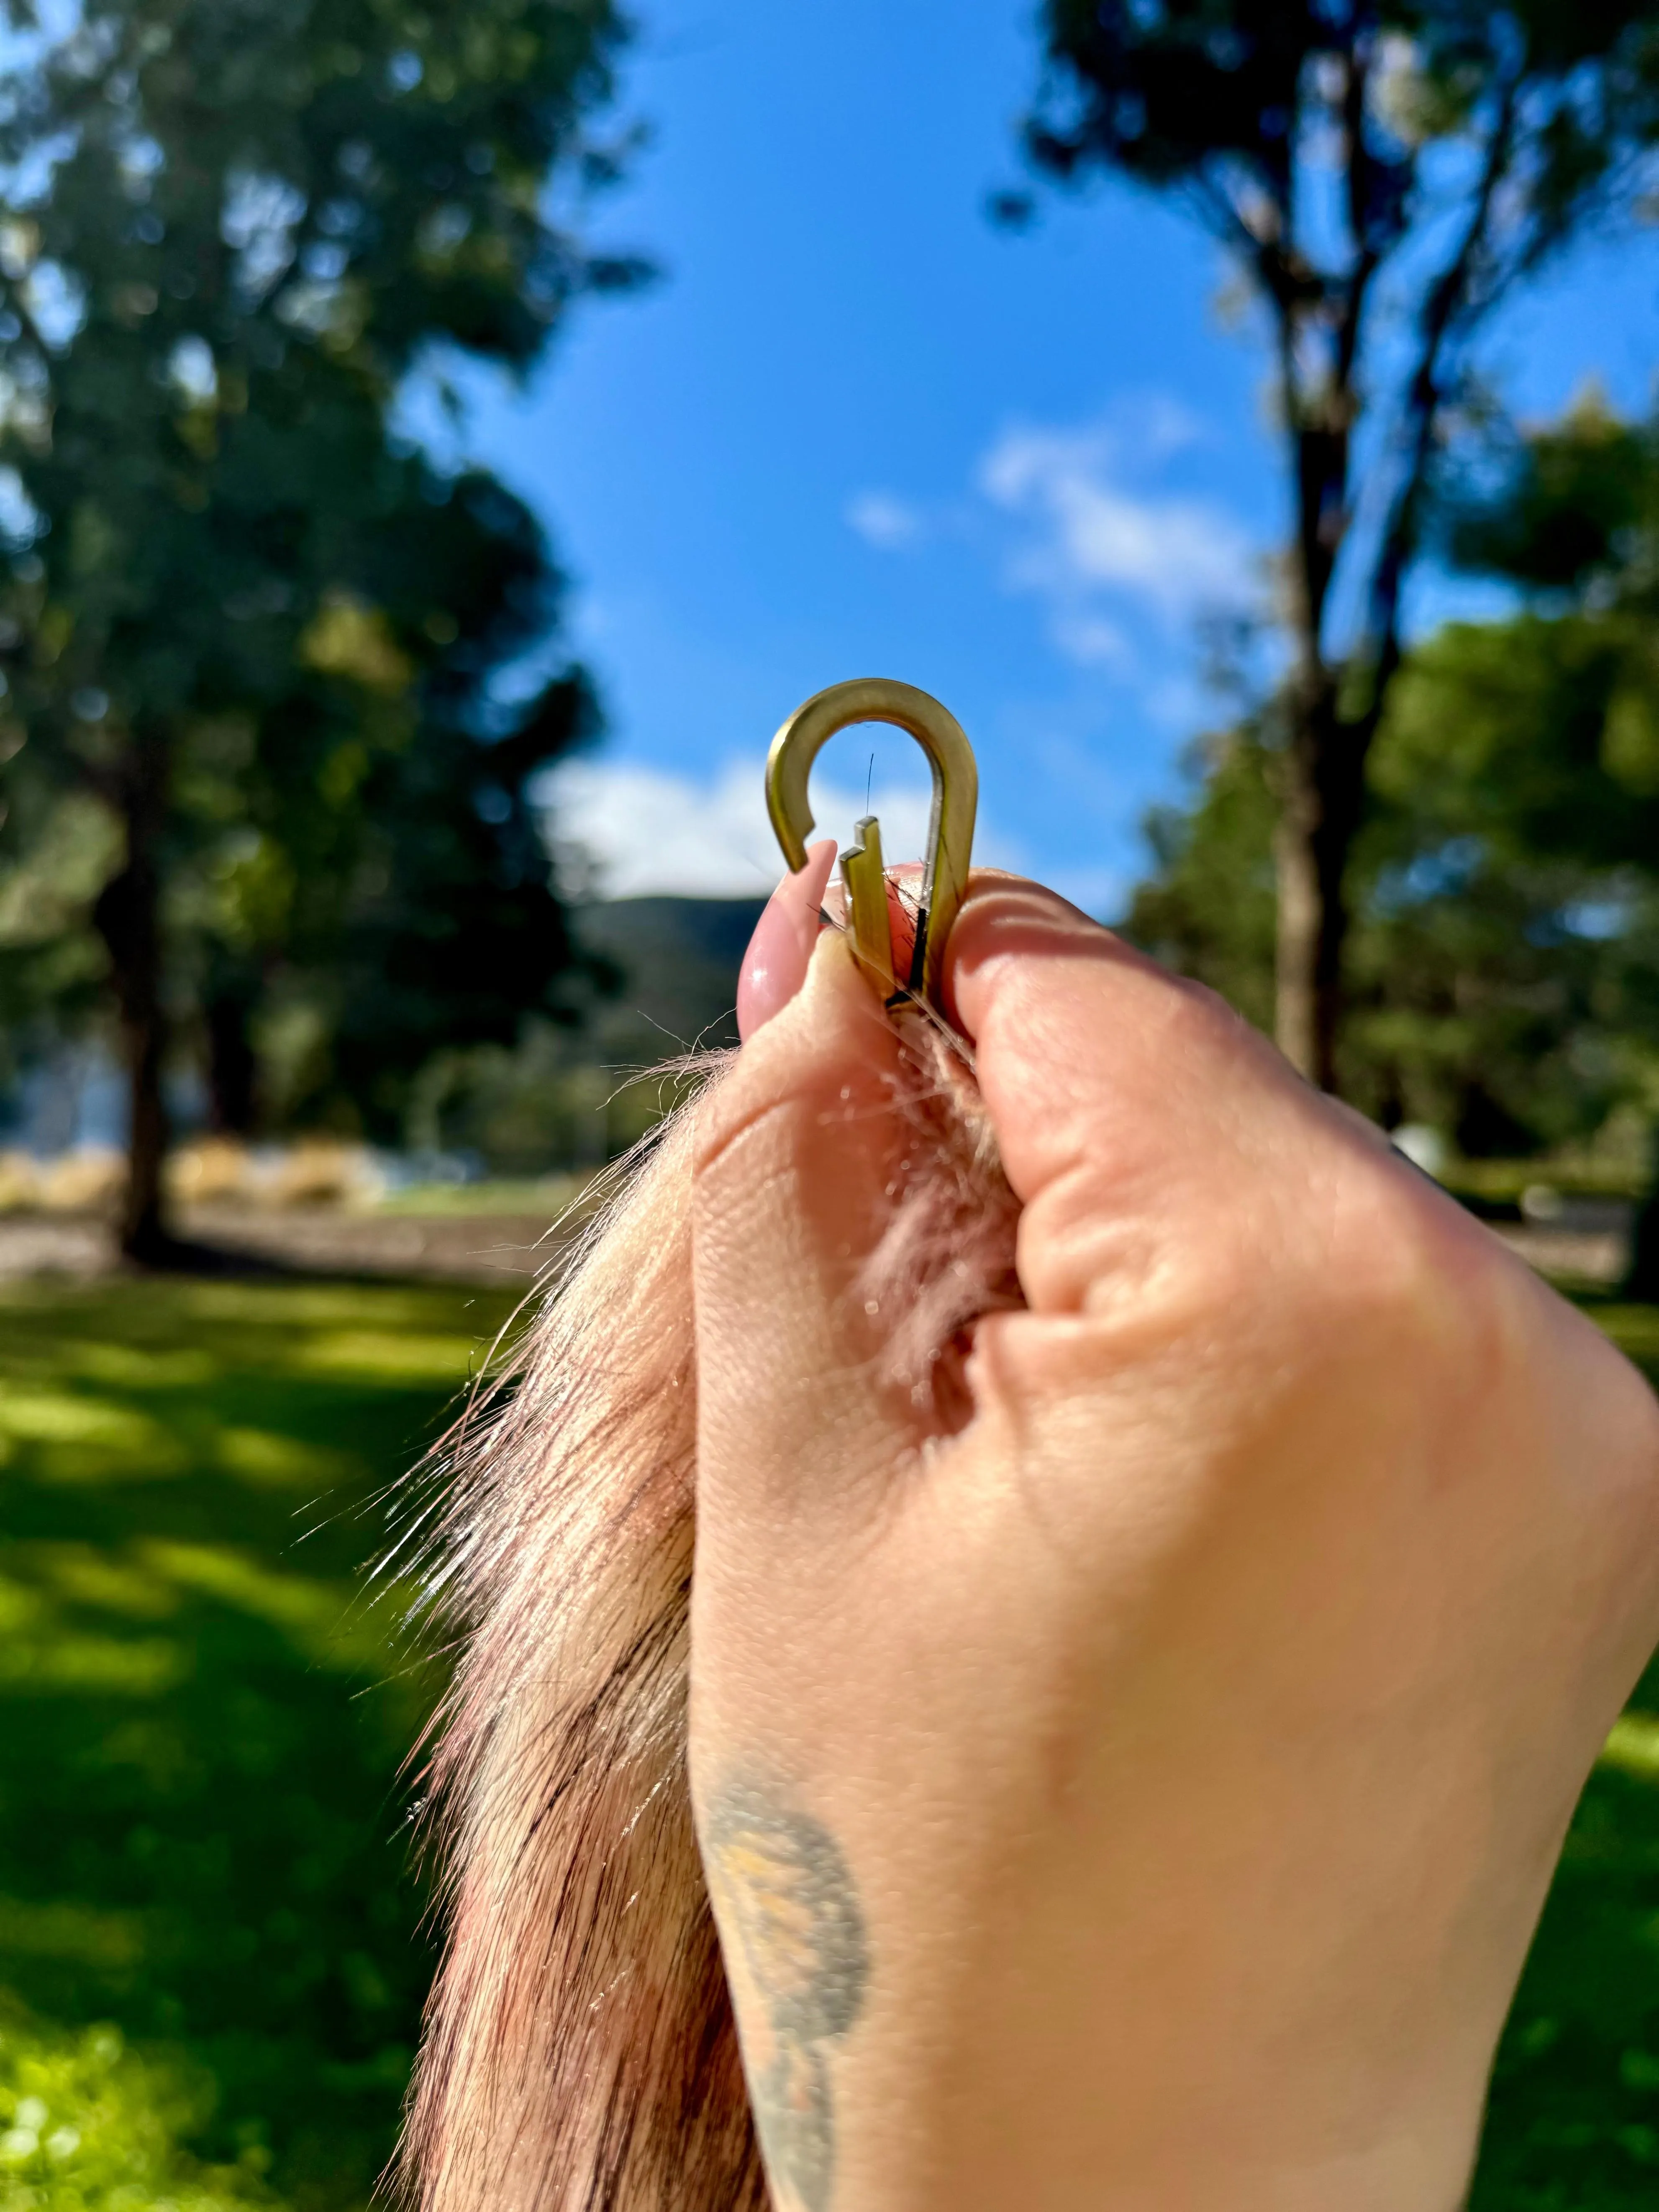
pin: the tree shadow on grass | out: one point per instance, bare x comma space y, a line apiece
201, 1824
203, 1830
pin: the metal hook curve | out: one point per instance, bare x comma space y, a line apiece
950, 828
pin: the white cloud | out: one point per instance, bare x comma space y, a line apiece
884, 521
1078, 517
1090, 532
1155, 424
1091, 639
650, 829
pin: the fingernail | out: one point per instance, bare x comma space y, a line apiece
774, 966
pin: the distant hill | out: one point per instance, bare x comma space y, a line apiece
566, 1098
679, 958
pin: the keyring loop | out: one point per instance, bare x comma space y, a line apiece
950, 828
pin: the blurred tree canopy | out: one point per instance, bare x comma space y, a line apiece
1506, 996
263, 655
94, 2127
1504, 968
1381, 173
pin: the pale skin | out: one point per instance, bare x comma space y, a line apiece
1195, 1730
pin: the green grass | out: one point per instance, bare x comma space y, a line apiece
202, 1722
1574, 2120
203, 1719
543, 1195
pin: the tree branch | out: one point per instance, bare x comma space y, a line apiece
1274, 266
1367, 255
1423, 400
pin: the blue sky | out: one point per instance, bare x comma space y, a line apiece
855, 430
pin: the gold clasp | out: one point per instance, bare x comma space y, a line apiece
950, 829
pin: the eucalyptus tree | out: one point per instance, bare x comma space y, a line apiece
1502, 970
1570, 518
1503, 984
1382, 177
262, 634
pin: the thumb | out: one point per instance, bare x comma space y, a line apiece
797, 1151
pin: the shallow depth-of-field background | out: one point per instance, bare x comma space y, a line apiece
204, 1710
211, 1914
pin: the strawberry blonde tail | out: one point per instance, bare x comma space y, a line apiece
579, 2052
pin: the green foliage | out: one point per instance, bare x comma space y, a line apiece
1564, 504
264, 635
1504, 965
1215, 99
1573, 519
51, 966
1504, 974
87, 2125
1501, 732
565, 1100
1380, 178
1208, 909
205, 1717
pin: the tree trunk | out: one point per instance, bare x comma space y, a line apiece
1296, 951
233, 1067
127, 918
1321, 801
1642, 1272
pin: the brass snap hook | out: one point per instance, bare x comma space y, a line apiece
950, 829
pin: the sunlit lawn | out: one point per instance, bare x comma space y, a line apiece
1574, 2125
202, 1722
201, 1719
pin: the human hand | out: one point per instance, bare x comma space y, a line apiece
1142, 1796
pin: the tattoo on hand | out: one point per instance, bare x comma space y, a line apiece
787, 1908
